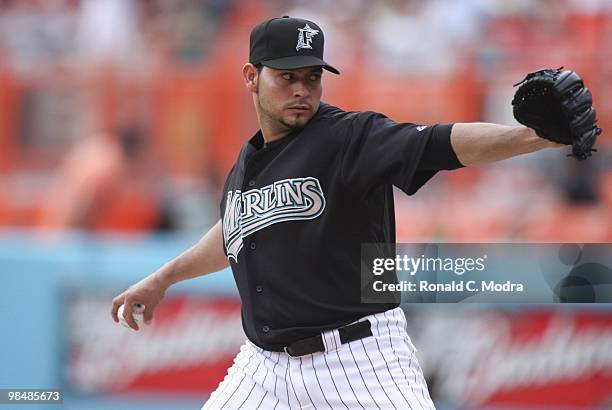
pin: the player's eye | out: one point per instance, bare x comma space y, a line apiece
315, 77
287, 76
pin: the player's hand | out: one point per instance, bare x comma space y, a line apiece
149, 292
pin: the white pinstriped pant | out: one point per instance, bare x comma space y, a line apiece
377, 372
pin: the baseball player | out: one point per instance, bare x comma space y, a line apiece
307, 189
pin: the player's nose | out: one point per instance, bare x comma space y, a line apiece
300, 89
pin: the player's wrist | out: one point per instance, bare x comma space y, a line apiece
164, 276
534, 142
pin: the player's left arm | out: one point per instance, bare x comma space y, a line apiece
479, 143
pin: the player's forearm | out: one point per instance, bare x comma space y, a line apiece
204, 257
480, 143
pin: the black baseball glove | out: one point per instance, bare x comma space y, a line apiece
557, 105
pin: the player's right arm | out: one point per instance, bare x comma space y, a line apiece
205, 257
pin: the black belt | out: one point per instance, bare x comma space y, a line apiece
315, 344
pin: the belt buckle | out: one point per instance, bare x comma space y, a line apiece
287, 351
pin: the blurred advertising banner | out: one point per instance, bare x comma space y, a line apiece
515, 359
187, 349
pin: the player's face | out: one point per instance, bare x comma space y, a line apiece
289, 97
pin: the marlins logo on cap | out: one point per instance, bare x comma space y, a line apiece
273, 44
305, 37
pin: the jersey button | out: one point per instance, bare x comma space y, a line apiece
253, 246
251, 183
266, 329
259, 289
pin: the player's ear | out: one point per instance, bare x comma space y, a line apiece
250, 74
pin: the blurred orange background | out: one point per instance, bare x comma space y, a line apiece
127, 115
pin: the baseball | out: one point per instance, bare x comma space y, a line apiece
137, 314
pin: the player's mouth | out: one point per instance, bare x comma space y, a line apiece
299, 108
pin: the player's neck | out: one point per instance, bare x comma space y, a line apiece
273, 135
271, 130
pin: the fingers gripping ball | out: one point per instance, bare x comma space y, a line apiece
556, 104
137, 313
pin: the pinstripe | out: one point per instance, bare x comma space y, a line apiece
220, 392
361, 375
348, 381
248, 395
324, 338
263, 383
291, 381
286, 384
410, 352
318, 382
376, 375
264, 362
385, 362
304, 383
332, 379
403, 315
241, 380
244, 374
424, 386
416, 382
398, 363
416, 375
274, 373
417, 371
254, 383
261, 401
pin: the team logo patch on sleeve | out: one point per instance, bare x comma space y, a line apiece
287, 200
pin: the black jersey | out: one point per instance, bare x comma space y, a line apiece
295, 212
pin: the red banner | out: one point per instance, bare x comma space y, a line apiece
516, 359
187, 349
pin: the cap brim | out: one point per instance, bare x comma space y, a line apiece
295, 62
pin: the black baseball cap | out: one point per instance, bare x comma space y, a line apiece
287, 43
